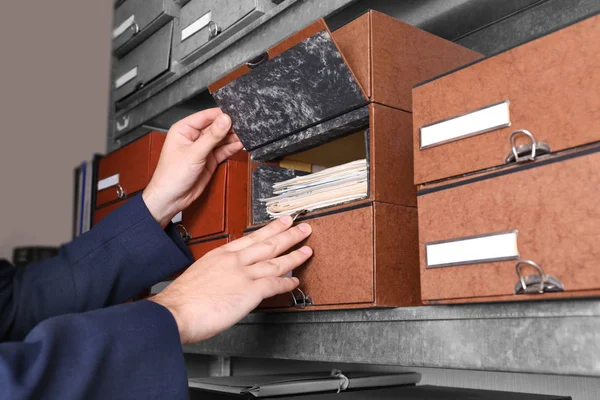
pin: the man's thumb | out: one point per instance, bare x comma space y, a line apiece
211, 136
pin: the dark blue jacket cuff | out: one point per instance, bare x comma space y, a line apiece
126, 253
122, 352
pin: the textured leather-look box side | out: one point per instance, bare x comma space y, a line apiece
199, 249
552, 84
206, 215
402, 56
389, 56
396, 246
391, 158
354, 41
236, 212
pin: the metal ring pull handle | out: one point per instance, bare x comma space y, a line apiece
255, 62
343, 383
298, 214
185, 235
525, 152
135, 28
522, 279
306, 299
536, 284
213, 30
124, 124
296, 304
120, 191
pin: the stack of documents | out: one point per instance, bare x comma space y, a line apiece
331, 186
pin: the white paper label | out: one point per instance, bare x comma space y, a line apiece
483, 120
473, 250
196, 26
177, 218
121, 29
126, 77
108, 182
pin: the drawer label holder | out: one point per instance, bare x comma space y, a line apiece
196, 26
128, 23
110, 181
485, 119
497, 246
126, 77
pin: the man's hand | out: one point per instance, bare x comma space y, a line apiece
193, 149
226, 284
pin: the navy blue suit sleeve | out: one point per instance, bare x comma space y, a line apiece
124, 254
127, 351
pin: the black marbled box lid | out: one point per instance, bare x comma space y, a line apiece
308, 84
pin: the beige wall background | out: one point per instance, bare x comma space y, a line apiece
54, 85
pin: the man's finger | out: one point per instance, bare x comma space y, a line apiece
272, 286
224, 152
280, 265
230, 138
192, 125
272, 229
274, 246
211, 136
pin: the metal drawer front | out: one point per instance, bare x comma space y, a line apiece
144, 63
136, 20
202, 21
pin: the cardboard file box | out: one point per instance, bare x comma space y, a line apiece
219, 215
463, 121
128, 170
510, 213
326, 98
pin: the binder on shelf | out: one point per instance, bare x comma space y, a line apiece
304, 383
84, 195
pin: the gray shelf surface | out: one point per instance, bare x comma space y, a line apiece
552, 337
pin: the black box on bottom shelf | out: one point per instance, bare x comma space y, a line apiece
338, 385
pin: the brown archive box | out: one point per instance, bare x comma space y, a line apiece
325, 99
463, 121
126, 171
219, 215
518, 219
491, 236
